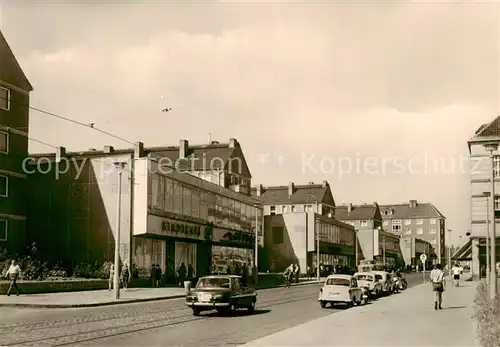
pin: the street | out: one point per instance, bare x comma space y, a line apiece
165, 323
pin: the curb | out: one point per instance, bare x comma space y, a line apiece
121, 302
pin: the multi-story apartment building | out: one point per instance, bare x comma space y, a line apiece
221, 163
299, 221
482, 167
419, 220
14, 124
373, 243
412, 248
167, 217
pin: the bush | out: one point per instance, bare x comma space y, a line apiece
92, 270
58, 271
487, 316
33, 269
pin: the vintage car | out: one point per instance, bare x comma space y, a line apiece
224, 293
371, 288
386, 280
340, 289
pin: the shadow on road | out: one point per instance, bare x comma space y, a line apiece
454, 307
237, 313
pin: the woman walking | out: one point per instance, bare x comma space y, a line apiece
438, 283
111, 276
125, 275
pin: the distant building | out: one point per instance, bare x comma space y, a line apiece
14, 125
295, 217
373, 243
480, 201
167, 217
412, 248
419, 220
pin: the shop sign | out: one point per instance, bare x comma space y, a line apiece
239, 236
181, 228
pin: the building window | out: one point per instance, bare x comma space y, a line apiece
3, 230
4, 186
496, 166
293, 208
308, 208
277, 233
420, 221
433, 240
396, 226
432, 231
386, 223
420, 231
4, 142
4, 99
497, 203
433, 220
407, 231
407, 221
283, 209
273, 210
364, 223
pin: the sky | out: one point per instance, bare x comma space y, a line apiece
378, 98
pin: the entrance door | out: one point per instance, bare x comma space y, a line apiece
204, 259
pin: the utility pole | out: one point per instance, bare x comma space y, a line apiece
488, 265
383, 247
492, 147
116, 277
449, 253
256, 255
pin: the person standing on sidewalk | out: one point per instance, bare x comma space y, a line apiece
13, 273
111, 276
125, 275
438, 283
456, 275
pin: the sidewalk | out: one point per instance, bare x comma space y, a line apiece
94, 298
405, 319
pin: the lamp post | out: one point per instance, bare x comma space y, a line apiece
449, 253
492, 147
256, 255
488, 267
116, 277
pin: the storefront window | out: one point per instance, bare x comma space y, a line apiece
195, 202
186, 200
185, 253
225, 212
154, 192
203, 205
231, 260
177, 200
237, 215
169, 194
161, 193
218, 210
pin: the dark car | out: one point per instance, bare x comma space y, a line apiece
224, 293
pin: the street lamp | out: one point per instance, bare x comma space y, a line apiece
116, 277
488, 267
256, 255
449, 252
316, 232
492, 147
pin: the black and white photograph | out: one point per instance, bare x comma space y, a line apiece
249, 173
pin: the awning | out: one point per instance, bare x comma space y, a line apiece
464, 253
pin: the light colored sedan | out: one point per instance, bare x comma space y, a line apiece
340, 289
386, 280
366, 280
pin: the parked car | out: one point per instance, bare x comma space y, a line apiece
371, 286
385, 279
223, 293
342, 289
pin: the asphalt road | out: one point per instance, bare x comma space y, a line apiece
163, 323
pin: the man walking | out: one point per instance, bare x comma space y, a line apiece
13, 273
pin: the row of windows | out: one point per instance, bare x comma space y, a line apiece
290, 208
335, 234
4, 99
397, 229
177, 197
418, 221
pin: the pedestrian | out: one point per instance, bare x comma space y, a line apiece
296, 272
158, 275
125, 275
181, 272
13, 273
111, 276
456, 275
438, 281
153, 275
190, 272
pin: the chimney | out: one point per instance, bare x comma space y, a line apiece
60, 153
291, 188
108, 149
349, 207
139, 151
324, 184
232, 142
183, 148
259, 190
375, 204
413, 203
310, 183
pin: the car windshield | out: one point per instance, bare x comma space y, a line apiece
364, 278
338, 282
213, 283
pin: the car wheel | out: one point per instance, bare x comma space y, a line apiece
251, 308
323, 304
196, 312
